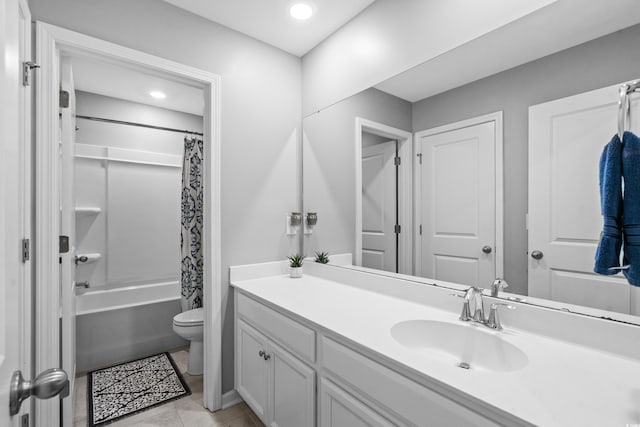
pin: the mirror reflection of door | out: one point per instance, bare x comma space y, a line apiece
566, 139
379, 203
457, 203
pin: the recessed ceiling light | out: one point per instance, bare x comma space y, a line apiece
157, 94
301, 11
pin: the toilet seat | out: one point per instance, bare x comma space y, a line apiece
193, 317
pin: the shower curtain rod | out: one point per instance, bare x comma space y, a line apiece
142, 125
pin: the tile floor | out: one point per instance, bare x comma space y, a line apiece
185, 412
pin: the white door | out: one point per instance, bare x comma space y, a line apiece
566, 139
67, 228
379, 241
293, 390
15, 203
457, 204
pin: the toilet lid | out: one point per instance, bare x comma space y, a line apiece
193, 317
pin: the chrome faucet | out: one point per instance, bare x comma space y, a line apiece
497, 286
475, 293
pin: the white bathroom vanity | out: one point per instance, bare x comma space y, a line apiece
345, 347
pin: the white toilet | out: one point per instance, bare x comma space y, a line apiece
189, 325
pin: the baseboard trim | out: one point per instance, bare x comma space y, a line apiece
230, 398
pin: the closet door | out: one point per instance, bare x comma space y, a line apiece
566, 139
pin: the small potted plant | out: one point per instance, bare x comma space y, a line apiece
295, 265
322, 257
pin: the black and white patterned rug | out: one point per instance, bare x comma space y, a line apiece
131, 387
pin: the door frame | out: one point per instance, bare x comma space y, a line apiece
496, 118
49, 40
405, 200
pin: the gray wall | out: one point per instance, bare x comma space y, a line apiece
329, 158
260, 113
599, 63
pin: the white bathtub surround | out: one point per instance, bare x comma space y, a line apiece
97, 300
111, 336
119, 324
573, 369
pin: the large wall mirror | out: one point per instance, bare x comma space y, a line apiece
495, 178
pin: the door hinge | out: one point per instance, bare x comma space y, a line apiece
26, 67
24, 420
420, 229
64, 99
26, 250
397, 228
396, 161
63, 244
419, 157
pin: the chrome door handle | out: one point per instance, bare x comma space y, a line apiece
487, 249
537, 255
49, 383
81, 258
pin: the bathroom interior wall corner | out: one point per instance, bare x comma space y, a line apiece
260, 119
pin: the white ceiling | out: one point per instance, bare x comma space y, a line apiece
105, 78
269, 20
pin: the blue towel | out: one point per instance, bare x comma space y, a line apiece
608, 252
631, 207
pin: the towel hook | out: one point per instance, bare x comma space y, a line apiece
623, 109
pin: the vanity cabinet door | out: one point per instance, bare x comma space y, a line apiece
251, 368
340, 409
291, 389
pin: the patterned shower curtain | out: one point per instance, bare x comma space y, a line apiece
191, 231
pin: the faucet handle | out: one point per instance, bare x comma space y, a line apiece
493, 321
498, 285
465, 316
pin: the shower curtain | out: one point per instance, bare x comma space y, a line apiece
191, 231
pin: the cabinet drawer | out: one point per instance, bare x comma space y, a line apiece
290, 334
407, 399
340, 409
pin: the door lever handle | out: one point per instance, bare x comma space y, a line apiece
49, 383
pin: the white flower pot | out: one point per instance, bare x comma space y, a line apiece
295, 272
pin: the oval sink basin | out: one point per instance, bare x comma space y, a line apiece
467, 346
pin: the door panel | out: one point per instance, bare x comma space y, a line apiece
292, 390
379, 206
15, 199
68, 228
457, 200
251, 380
566, 139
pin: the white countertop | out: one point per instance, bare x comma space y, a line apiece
563, 384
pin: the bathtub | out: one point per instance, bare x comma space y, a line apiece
95, 301
122, 324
